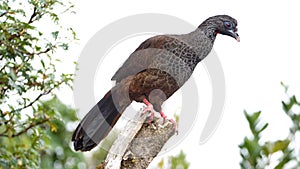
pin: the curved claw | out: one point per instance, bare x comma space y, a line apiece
162, 114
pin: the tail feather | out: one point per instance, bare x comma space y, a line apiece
96, 124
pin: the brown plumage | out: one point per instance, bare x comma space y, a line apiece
153, 72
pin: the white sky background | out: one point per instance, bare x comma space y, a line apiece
267, 54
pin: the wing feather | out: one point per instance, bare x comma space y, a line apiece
142, 57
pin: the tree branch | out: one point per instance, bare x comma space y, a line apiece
34, 13
138, 144
2, 14
31, 126
38, 97
26, 129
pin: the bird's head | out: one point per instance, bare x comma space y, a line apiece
222, 24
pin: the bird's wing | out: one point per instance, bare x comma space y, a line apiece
142, 57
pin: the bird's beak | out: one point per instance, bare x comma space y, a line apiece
235, 35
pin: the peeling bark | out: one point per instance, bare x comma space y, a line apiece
138, 143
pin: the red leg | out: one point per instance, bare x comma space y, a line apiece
149, 108
162, 114
146, 102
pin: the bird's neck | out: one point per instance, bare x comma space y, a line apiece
200, 42
209, 29
198, 36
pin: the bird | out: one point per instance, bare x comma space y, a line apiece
152, 73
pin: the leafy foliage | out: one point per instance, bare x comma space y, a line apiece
258, 155
27, 73
58, 153
175, 162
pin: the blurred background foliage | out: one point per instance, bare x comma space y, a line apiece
58, 153
33, 132
174, 162
277, 154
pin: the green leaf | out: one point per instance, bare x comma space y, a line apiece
280, 145
64, 46
38, 48
255, 116
74, 34
55, 34
252, 146
287, 106
263, 128
43, 63
294, 99
253, 120
272, 147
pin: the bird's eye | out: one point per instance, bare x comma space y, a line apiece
228, 25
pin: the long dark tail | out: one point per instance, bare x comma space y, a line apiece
96, 124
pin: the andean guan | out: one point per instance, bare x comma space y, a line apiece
151, 74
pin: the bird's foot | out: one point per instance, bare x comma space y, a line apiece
162, 114
150, 109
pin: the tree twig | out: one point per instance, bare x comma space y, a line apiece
38, 97
26, 129
31, 126
34, 13
4, 13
